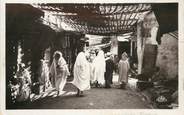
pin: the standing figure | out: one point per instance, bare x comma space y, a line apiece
109, 71
91, 62
81, 74
116, 61
59, 71
123, 68
99, 68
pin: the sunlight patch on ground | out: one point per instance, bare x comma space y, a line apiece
91, 103
52, 94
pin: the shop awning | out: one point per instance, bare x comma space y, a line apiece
98, 19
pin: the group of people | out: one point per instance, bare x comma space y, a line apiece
91, 69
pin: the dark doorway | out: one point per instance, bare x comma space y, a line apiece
123, 47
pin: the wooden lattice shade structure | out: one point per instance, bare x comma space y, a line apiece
101, 19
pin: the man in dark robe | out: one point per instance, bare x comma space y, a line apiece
109, 71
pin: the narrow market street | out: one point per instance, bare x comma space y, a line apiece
91, 56
95, 98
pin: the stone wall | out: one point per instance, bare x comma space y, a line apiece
147, 29
167, 58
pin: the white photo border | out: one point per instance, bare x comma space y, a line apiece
179, 111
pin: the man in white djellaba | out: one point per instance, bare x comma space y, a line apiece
81, 73
99, 68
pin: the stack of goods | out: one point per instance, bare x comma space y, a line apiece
20, 86
165, 96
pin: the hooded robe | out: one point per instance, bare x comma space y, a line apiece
59, 72
99, 67
81, 72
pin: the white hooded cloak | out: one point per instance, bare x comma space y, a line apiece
81, 72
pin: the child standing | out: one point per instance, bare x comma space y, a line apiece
123, 68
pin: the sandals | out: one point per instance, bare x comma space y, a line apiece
79, 93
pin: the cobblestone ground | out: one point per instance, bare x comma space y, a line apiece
95, 98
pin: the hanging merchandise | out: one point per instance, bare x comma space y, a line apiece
20, 91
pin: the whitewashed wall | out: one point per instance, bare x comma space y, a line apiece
114, 45
167, 58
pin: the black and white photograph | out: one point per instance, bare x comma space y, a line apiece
85, 56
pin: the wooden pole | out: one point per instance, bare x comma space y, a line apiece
140, 47
131, 48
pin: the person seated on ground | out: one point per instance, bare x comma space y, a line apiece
123, 68
133, 70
